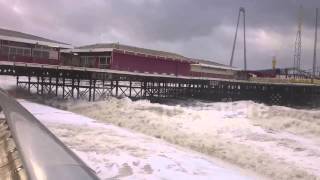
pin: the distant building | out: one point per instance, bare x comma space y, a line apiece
205, 68
21, 47
127, 58
283, 73
134, 59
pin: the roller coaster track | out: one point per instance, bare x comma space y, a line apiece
28, 150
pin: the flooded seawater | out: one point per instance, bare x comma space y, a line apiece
274, 141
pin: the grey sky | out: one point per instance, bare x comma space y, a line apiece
194, 28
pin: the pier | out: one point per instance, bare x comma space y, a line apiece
93, 84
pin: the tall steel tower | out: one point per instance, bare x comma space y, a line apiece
297, 45
241, 10
315, 48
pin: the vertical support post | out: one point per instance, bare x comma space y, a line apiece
117, 87
63, 86
50, 84
153, 88
94, 90
42, 83
111, 87
315, 49
166, 89
141, 88
130, 86
179, 90
72, 87
90, 88
38, 84
158, 89
57, 83
193, 89
176, 86
17, 80
145, 89
78, 88
29, 85
187, 88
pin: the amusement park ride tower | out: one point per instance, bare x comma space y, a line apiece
297, 46
241, 10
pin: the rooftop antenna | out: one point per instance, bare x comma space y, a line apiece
315, 48
241, 10
297, 45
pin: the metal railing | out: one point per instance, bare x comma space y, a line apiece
43, 156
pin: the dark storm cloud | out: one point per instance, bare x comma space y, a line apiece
198, 28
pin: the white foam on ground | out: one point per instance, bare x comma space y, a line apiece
235, 132
7, 82
117, 153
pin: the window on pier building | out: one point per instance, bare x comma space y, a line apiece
45, 52
104, 62
42, 54
15, 51
87, 61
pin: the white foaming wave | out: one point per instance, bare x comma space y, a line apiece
116, 153
276, 141
230, 131
297, 121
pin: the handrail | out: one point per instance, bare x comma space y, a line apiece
43, 155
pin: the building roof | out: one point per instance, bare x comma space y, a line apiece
17, 36
215, 66
133, 49
208, 62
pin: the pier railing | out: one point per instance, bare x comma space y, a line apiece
28, 150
